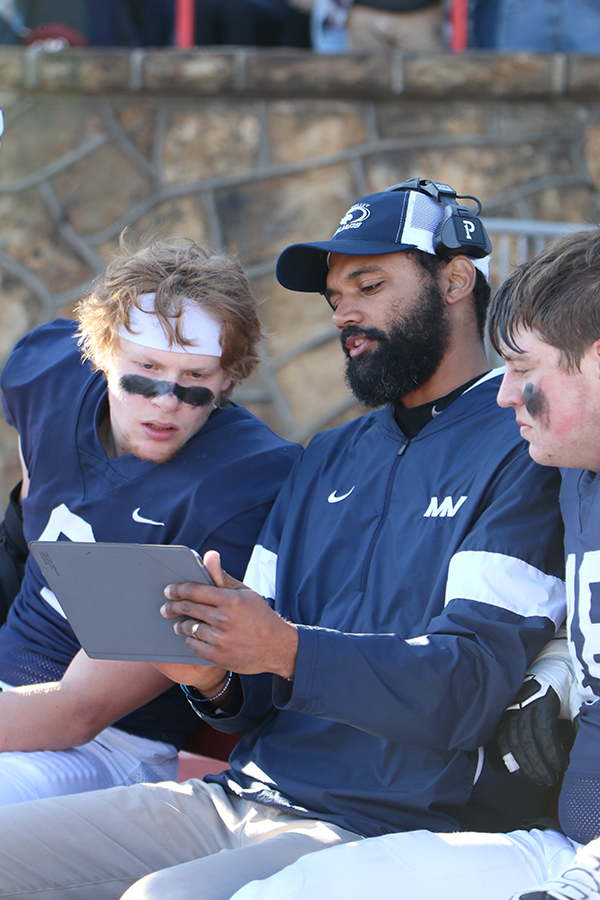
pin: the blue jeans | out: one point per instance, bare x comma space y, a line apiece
549, 26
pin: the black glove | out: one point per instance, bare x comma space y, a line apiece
529, 735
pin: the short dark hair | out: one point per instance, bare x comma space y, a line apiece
481, 290
556, 294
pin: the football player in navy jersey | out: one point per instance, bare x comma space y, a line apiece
127, 434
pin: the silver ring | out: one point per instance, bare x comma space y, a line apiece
195, 630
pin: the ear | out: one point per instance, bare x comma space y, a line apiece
98, 362
226, 384
105, 358
594, 354
460, 275
101, 362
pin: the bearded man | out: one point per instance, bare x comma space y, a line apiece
412, 564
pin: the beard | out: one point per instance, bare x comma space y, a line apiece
159, 457
157, 453
406, 355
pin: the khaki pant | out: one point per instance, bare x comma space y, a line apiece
190, 841
412, 32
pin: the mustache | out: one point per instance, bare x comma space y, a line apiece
371, 334
150, 387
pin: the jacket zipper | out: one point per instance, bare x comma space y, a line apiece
386, 507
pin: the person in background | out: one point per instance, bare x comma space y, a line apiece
548, 26
252, 23
413, 26
130, 23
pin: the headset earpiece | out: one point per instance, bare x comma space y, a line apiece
460, 230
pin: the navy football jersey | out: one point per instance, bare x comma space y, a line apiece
580, 507
214, 494
579, 804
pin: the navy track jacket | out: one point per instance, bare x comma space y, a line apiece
424, 575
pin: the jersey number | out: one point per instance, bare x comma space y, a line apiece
63, 521
584, 615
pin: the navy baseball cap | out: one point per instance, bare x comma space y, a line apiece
387, 222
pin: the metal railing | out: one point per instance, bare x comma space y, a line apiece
517, 240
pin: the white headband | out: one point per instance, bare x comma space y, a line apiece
195, 325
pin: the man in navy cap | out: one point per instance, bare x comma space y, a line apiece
411, 567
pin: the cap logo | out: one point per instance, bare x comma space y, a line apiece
355, 216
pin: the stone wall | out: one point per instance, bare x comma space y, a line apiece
254, 150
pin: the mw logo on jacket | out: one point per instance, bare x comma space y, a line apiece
446, 508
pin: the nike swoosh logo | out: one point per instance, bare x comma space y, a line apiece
135, 515
333, 498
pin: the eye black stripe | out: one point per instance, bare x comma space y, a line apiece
150, 387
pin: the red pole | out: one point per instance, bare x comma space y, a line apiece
184, 23
459, 19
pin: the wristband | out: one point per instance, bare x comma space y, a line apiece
193, 692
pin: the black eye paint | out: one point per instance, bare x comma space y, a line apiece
150, 387
536, 403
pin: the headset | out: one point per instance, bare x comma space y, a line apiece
460, 230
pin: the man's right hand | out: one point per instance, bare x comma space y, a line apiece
529, 737
231, 626
207, 679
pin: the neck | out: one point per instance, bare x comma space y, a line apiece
458, 366
105, 435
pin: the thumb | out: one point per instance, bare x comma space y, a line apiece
212, 561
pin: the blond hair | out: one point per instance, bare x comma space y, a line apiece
176, 271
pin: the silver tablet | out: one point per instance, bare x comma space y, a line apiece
112, 594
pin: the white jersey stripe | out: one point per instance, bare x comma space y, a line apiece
505, 582
261, 573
